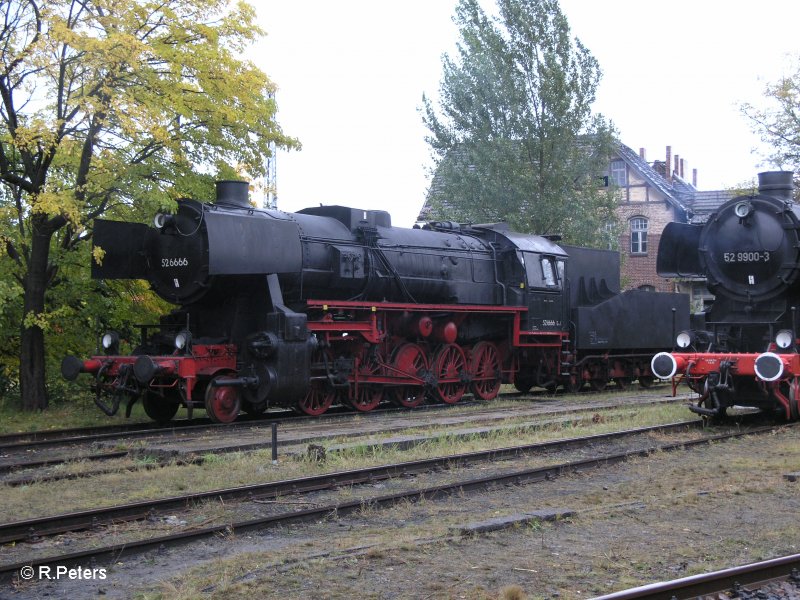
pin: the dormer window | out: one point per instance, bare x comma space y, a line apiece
618, 173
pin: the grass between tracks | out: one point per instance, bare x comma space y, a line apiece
227, 470
80, 413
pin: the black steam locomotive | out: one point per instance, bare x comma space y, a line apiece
743, 350
333, 304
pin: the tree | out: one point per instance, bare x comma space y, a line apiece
779, 122
115, 107
514, 138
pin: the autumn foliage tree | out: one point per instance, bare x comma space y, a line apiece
114, 107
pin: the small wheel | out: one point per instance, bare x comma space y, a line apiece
369, 395
448, 367
159, 408
410, 360
646, 381
222, 403
598, 385
317, 400
485, 370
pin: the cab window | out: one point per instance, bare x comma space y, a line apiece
543, 271
548, 272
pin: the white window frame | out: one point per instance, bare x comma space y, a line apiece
639, 228
618, 173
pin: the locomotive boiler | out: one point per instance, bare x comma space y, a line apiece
335, 305
743, 350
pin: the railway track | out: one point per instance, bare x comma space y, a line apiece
292, 445
56, 437
16, 456
22, 442
50, 525
777, 578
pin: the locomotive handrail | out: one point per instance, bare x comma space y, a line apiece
331, 304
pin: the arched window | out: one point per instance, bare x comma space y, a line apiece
638, 235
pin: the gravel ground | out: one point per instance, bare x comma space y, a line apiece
663, 517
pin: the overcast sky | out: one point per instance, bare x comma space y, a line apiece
351, 75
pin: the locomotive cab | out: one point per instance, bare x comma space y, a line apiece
545, 287
535, 269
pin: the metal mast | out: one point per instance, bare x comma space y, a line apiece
271, 178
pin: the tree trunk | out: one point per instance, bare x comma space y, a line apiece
32, 356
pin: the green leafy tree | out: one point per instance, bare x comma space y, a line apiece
778, 123
115, 108
514, 137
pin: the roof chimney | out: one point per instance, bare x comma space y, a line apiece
681, 168
668, 169
676, 169
642, 154
694, 177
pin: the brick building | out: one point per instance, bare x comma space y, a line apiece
650, 196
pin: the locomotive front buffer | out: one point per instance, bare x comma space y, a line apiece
725, 380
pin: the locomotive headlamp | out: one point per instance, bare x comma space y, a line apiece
784, 339
182, 340
110, 342
743, 209
684, 339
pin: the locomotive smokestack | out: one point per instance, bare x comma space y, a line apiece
233, 192
777, 184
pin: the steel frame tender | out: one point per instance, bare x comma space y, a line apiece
742, 351
333, 305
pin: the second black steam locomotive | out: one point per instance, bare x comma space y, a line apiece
744, 350
334, 305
